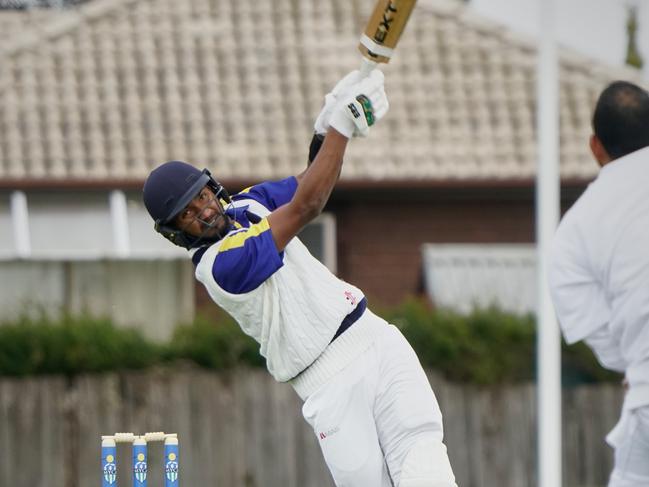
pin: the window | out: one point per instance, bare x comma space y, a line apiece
112, 224
319, 236
465, 276
80, 226
69, 225
7, 244
145, 242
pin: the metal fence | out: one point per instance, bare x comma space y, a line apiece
241, 429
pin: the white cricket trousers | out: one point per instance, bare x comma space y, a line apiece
631, 443
378, 414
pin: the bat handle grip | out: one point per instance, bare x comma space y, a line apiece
367, 66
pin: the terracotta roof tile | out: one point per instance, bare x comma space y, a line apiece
114, 87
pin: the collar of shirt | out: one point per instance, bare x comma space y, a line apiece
241, 216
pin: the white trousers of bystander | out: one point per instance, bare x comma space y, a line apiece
630, 438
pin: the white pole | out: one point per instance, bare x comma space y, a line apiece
119, 217
20, 223
547, 217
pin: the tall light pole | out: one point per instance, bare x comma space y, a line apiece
547, 217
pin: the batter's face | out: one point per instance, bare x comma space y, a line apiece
203, 216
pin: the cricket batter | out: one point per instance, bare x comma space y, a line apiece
599, 270
365, 393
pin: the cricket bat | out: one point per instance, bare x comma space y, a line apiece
383, 31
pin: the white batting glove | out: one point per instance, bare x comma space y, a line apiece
331, 100
364, 104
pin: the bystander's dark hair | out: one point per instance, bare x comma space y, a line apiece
621, 118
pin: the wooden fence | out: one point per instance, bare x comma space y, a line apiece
241, 429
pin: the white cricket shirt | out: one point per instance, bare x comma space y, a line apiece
599, 270
289, 302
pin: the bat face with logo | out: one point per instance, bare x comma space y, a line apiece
384, 29
377, 43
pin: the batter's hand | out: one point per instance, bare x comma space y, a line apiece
332, 98
363, 104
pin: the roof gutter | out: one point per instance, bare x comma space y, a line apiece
239, 183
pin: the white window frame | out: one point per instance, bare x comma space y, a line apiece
20, 224
330, 242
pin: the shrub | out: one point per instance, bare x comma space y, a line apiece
214, 345
71, 345
579, 365
486, 347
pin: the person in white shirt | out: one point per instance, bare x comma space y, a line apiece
599, 268
365, 393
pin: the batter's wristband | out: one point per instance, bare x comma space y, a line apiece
314, 147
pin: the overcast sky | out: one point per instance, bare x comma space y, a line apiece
596, 28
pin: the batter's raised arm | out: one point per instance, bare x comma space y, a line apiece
359, 106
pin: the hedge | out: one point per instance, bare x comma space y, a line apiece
72, 345
486, 347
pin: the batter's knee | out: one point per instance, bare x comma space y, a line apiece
427, 465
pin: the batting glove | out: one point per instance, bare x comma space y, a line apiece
331, 100
364, 104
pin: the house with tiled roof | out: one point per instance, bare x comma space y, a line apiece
94, 97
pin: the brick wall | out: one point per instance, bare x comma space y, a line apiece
380, 237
